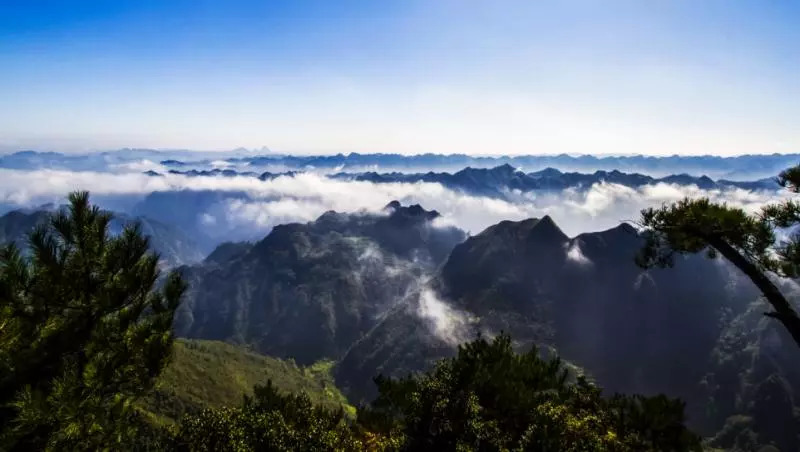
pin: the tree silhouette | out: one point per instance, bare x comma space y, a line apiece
747, 241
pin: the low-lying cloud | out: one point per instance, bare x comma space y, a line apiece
306, 196
446, 322
576, 256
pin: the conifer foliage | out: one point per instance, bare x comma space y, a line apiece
748, 241
487, 398
269, 421
83, 333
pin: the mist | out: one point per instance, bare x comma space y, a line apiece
259, 205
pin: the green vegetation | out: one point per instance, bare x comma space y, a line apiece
83, 333
747, 241
751, 385
88, 362
486, 398
211, 374
268, 421
490, 398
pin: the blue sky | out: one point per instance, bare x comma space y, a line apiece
481, 77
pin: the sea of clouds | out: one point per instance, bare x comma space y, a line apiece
305, 196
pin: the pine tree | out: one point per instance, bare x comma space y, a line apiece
83, 333
487, 398
747, 241
268, 421
490, 398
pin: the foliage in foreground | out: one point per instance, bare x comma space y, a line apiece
83, 333
83, 336
747, 241
486, 398
212, 374
271, 421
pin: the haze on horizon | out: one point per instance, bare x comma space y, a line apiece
475, 77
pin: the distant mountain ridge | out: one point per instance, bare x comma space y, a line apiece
499, 181
734, 167
743, 167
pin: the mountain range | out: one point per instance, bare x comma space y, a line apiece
743, 167
309, 291
582, 296
392, 293
737, 167
501, 180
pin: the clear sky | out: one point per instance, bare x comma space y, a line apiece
482, 77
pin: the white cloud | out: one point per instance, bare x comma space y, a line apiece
208, 220
606, 205
26, 187
306, 196
138, 166
446, 322
575, 254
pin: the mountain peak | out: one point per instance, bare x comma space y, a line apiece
547, 172
394, 205
621, 237
412, 212
546, 229
626, 228
622, 229
504, 168
332, 217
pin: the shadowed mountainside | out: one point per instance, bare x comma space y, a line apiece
393, 293
308, 291
690, 331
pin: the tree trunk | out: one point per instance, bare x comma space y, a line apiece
784, 311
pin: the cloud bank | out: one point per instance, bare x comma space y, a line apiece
446, 322
304, 197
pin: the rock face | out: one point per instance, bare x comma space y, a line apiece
309, 291
752, 383
633, 330
629, 329
392, 293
